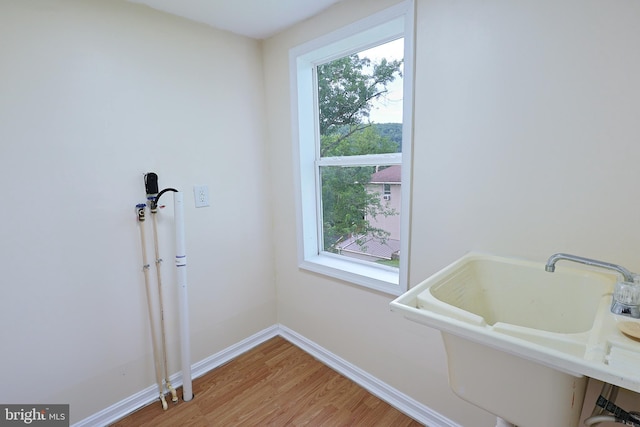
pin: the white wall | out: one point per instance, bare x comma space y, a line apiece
527, 131
92, 96
526, 144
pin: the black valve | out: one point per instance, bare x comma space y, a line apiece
151, 187
151, 184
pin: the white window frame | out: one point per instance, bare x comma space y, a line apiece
387, 25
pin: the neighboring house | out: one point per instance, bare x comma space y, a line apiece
386, 183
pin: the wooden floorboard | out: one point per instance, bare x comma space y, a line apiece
274, 384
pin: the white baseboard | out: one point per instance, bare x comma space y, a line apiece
150, 394
395, 398
198, 369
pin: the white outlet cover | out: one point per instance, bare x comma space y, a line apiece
201, 195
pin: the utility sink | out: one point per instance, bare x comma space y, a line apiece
519, 338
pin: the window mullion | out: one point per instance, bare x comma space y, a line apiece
362, 160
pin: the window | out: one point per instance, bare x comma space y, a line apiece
351, 98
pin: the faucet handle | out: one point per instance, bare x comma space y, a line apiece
626, 299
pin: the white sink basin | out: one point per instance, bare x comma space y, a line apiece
491, 291
519, 338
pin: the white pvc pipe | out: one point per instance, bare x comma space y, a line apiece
183, 300
163, 334
597, 419
145, 269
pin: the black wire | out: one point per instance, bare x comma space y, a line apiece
620, 414
162, 192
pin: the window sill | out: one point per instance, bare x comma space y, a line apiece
379, 278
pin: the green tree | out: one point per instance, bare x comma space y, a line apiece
391, 130
346, 89
346, 203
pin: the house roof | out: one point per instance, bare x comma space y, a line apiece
370, 246
390, 174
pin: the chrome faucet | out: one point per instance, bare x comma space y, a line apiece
551, 264
625, 295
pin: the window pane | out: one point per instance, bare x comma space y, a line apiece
360, 113
360, 102
359, 219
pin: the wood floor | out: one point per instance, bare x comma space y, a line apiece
274, 384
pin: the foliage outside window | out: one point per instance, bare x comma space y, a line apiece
344, 142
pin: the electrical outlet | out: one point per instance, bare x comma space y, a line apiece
201, 194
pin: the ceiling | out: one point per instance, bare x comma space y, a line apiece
258, 19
